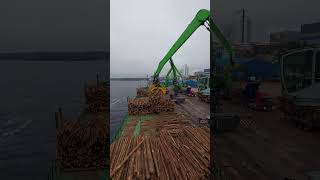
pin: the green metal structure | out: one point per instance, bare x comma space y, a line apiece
173, 71
202, 18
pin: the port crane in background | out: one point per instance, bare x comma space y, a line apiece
202, 18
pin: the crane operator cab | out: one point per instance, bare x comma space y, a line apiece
300, 77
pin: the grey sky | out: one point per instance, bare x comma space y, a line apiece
67, 25
142, 31
267, 15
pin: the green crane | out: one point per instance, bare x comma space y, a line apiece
174, 71
202, 18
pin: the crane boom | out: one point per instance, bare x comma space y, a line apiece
202, 16
175, 72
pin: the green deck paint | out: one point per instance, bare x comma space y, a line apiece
137, 128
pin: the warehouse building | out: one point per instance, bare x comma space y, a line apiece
262, 69
285, 37
310, 33
205, 72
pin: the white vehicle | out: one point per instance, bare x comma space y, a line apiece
300, 77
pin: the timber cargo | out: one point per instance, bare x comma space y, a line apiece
83, 143
149, 105
142, 92
159, 144
96, 96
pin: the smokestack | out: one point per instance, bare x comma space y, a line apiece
249, 26
242, 25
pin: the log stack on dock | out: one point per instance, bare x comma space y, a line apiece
142, 92
139, 106
154, 103
179, 153
82, 144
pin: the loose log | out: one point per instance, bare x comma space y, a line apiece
126, 158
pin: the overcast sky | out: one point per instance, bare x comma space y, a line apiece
50, 25
142, 31
266, 15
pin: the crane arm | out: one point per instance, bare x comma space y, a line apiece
168, 74
175, 72
166, 79
202, 16
215, 30
197, 21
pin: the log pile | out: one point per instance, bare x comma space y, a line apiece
154, 103
154, 123
164, 121
139, 106
161, 104
83, 144
142, 92
177, 153
96, 97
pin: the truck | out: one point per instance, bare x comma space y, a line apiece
300, 77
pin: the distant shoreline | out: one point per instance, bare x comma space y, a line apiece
56, 56
128, 79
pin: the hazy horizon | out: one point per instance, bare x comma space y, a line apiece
37, 25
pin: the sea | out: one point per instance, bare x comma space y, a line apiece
30, 93
120, 91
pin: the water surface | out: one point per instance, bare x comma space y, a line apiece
30, 93
119, 91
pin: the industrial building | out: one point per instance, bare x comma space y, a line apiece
205, 72
285, 37
310, 33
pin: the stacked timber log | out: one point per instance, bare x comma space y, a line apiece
82, 144
142, 92
154, 103
161, 103
96, 97
139, 106
203, 97
154, 123
179, 153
